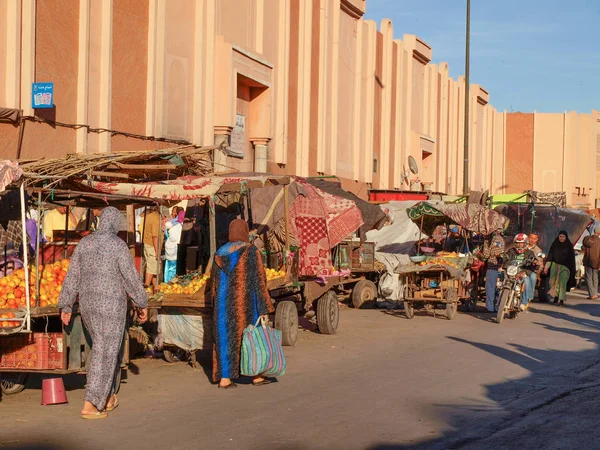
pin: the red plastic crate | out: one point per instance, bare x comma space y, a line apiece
32, 351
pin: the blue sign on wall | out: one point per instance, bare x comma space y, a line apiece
42, 95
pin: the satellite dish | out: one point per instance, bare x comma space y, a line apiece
412, 165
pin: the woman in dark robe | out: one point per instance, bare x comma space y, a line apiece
102, 273
560, 263
240, 297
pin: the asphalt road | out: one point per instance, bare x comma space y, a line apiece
381, 382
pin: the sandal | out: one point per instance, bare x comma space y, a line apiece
229, 386
114, 406
262, 383
93, 416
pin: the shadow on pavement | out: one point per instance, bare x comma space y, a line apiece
476, 425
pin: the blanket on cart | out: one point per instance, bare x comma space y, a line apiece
185, 328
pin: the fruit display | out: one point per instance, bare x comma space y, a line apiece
13, 288
8, 323
183, 285
190, 285
273, 274
439, 261
448, 254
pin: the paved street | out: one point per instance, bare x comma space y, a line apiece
382, 382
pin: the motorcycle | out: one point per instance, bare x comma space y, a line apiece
512, 288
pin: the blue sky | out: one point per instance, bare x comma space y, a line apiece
541, 55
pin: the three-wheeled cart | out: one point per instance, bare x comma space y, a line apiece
430, 287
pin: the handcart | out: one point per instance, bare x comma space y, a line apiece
431, 286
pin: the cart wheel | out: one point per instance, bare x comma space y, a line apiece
328, 313
364, 294
12, 383
409, 309
174, 355
504, 295
286, 321
452, 303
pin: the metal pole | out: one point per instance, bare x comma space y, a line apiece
286, 206
467, 98
161, 238
66, 251
25, 254
38, 230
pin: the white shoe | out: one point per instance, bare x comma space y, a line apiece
522, 307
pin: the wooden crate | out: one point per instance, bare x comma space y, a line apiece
356, 256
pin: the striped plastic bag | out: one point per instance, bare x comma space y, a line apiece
262, 353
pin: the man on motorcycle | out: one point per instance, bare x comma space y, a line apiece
519, 252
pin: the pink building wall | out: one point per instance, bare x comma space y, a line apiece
321, 91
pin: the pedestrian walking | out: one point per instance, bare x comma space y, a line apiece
102, 274
491, 254
240, 296
560, 264
591, 262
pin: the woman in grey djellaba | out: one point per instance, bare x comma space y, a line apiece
102, 273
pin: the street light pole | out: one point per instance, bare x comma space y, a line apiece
467, 99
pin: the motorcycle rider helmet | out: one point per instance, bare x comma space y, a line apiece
520, 241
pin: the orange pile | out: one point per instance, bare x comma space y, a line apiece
8, 323
13, 290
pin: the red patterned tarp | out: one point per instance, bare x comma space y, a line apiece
320, 221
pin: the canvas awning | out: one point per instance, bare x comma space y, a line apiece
9, 115
188, 188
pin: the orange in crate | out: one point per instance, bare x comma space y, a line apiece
32, 351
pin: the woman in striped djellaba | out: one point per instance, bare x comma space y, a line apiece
240, 296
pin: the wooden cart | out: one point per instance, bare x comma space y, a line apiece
431, 288
292, 297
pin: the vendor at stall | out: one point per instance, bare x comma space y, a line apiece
55, 220
456, 241
151, 232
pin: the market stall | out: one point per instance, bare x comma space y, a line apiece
32, 337
300, 273
446, 278
294, 224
